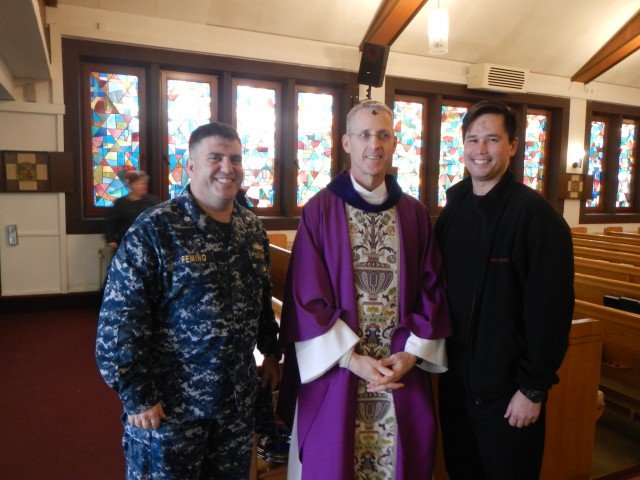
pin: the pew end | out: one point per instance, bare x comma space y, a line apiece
572, 407
620, 369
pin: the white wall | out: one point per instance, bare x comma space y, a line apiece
49, 261
37, 264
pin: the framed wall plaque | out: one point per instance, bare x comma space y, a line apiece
26, 171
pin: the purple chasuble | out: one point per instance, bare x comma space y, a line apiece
320, 289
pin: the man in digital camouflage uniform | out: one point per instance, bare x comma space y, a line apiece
187, 299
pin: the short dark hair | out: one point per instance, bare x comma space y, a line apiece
213, 129
133, 176
491, 106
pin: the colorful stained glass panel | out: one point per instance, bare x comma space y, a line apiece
626, 164
115, 133
188, 107
451, 150
596, 156
315, 143
256, 123
535, 146
408, 155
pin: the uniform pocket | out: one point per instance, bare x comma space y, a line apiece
137, 452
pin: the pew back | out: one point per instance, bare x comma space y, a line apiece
625, 240
601, 268
593, 289
620, 377
605, 245
279, 258
607, 255
629, 235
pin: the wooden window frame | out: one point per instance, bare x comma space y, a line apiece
604, 168
607, 212
548, 114
450, 102
635, 195
438, 93
278, 134
166, 75
335, 135
154, 61
424, 188
88, 207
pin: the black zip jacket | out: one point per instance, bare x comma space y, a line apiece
523, 303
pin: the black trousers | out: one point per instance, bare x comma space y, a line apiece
478, 441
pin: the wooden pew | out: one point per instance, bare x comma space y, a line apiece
607, 255
629, 235
572, 406
278, 239
593, 289
604, 269
604, 245
620, 374
626, 239
279, 258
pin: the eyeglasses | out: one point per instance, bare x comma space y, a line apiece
365, 137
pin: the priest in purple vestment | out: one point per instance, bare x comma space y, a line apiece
364, 320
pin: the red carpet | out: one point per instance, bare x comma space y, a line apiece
58, 419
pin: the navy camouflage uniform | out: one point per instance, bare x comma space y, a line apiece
181, 316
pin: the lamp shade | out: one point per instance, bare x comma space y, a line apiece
438, 31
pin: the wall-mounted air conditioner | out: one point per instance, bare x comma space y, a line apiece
498, 78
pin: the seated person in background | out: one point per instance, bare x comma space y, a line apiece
126, 209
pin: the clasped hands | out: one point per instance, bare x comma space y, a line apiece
383, 374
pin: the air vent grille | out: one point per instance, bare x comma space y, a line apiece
486, 76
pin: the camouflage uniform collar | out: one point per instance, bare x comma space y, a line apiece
204, 221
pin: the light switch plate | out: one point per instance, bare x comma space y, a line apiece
12, 234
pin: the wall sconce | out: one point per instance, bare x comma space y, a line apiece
578, 157
438, 30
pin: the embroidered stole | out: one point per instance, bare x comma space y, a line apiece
374, 243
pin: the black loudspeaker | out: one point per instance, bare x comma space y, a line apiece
373, 63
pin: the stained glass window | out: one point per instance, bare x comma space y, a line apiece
596, 156
115, 133
626, 164
535, 146
256, 124
408, 154
315, 144
451, 149
188, 107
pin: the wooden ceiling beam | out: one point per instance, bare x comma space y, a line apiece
623, 44
391, 18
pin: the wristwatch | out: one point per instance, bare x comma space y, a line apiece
536, 396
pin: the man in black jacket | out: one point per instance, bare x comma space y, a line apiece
509, 270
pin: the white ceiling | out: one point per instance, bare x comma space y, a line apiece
552, 37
